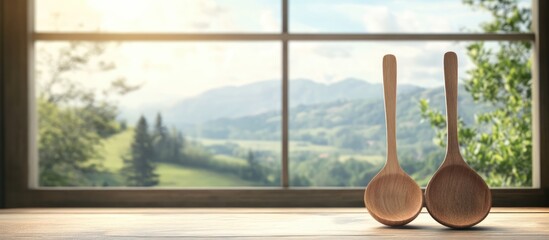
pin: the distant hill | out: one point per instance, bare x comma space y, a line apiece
347, 123
263, 97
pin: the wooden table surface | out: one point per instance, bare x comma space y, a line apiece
257, 223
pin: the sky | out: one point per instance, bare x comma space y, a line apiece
172, 71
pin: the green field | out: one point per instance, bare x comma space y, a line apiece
116, 147
171, 175
271, 146
294, 147
230, 160
367, 158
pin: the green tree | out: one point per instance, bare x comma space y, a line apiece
161, 141
299, 180
176, 146
139, 167
499, 144
255, 170
66, 144
73, 119
168, 145
339, 174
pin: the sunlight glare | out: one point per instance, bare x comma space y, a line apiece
120, 9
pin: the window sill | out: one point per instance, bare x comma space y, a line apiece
235, 197
332, 223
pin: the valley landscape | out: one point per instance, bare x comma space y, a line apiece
337, 135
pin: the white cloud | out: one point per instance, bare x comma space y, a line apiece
151, 15
399, 16
377, 18
196, 67
419, 63
332, 52
268, 21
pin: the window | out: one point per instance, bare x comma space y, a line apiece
338, 138
257, 103
197, 99
193, 96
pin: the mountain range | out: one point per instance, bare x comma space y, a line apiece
265, 96
348, 114
348, 123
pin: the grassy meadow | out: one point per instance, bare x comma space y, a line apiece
176, 175
171, 175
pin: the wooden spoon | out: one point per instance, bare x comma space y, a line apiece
456, 196
392, 197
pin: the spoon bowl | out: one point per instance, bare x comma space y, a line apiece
458, 197
392, 197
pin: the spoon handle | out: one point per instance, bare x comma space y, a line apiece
389, 94
451, 87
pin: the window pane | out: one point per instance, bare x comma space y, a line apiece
337, 118
158, 15
212, 113
387, 16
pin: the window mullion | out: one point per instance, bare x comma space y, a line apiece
285, 88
